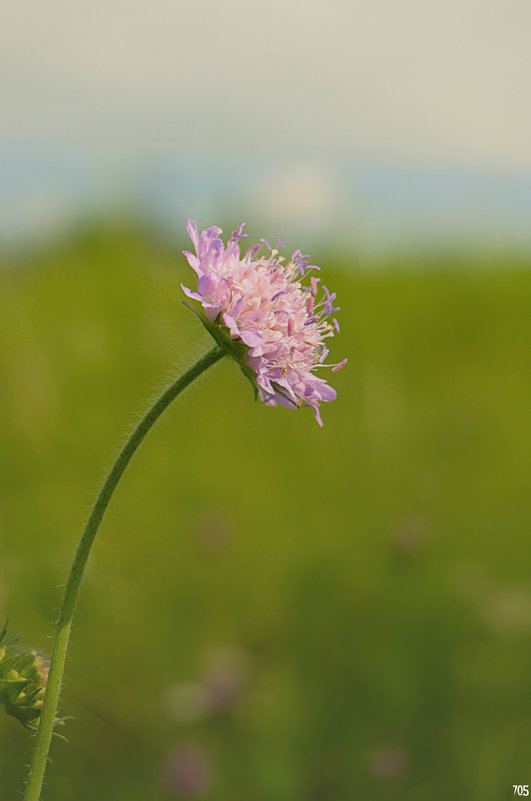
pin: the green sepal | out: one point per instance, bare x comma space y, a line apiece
8, 666
28, 716
33, 695
10, 689
235, 348
281, 391
25, 660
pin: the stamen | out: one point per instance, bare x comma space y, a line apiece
339, 366
237, 234
251, 251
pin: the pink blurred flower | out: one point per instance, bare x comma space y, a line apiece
186, 772
389, 762
282, 323
410, 534
221, 688
225, 679
214, 529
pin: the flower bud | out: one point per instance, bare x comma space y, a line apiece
23, 677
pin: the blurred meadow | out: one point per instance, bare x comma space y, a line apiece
272, 611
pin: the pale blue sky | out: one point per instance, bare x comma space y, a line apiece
294, 95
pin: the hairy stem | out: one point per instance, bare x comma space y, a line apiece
68, 604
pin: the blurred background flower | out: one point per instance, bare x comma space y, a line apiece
389, 762
186, 773
220, 687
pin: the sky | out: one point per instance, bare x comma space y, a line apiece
287, 108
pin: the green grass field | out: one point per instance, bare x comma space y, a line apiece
372, 577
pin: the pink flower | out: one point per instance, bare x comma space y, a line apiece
272, 324
186, 772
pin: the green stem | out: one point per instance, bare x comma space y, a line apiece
66, 613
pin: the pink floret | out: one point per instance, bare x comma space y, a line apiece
264, 303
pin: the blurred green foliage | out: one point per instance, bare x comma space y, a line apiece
373, 576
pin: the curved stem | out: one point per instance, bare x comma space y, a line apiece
66, 613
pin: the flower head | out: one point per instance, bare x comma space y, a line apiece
259, 309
